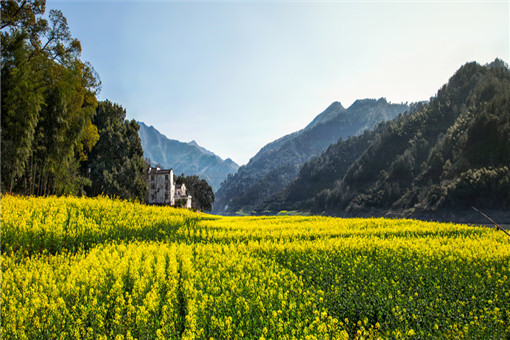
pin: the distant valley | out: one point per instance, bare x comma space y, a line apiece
278, 163
188, 158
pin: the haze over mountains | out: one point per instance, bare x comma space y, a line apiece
188, 158
441, 158
278, 163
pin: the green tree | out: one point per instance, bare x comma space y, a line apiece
201, 192
116, 165
48, 101
22, 93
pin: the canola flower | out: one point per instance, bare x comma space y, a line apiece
38, 224
109, 269
113, 291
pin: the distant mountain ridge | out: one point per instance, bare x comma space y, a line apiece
188, 158
278, 163
440, 159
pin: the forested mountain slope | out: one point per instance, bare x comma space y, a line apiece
278, 163
452, 153
188, 158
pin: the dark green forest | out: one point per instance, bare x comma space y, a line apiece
451, 153
116, 165
56, 138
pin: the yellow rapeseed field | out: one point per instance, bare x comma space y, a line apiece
100, 268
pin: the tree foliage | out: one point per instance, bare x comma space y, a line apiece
48, 101
201, 192
116, 165
54, 141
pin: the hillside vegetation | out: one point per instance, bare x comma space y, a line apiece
451, 153
278, 163
76, 268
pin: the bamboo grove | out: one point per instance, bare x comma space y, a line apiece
56, 138
98, 268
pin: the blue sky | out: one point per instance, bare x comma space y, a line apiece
235, 75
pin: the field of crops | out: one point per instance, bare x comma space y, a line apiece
78, 268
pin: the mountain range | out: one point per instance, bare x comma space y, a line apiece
278, 163
442, 157
188, 158
424, 160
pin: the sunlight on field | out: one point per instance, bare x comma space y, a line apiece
102, 268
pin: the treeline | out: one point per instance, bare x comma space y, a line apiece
450, 153
56, 137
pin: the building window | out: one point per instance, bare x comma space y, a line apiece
152, 177
166, 177
153, 197
153, 186
166, 196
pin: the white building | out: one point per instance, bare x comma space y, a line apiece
181, 194
163, 190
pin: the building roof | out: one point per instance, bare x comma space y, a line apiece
159, 171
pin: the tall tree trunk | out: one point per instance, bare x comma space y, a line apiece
45, 184
11, 184
32, 174
38, 188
